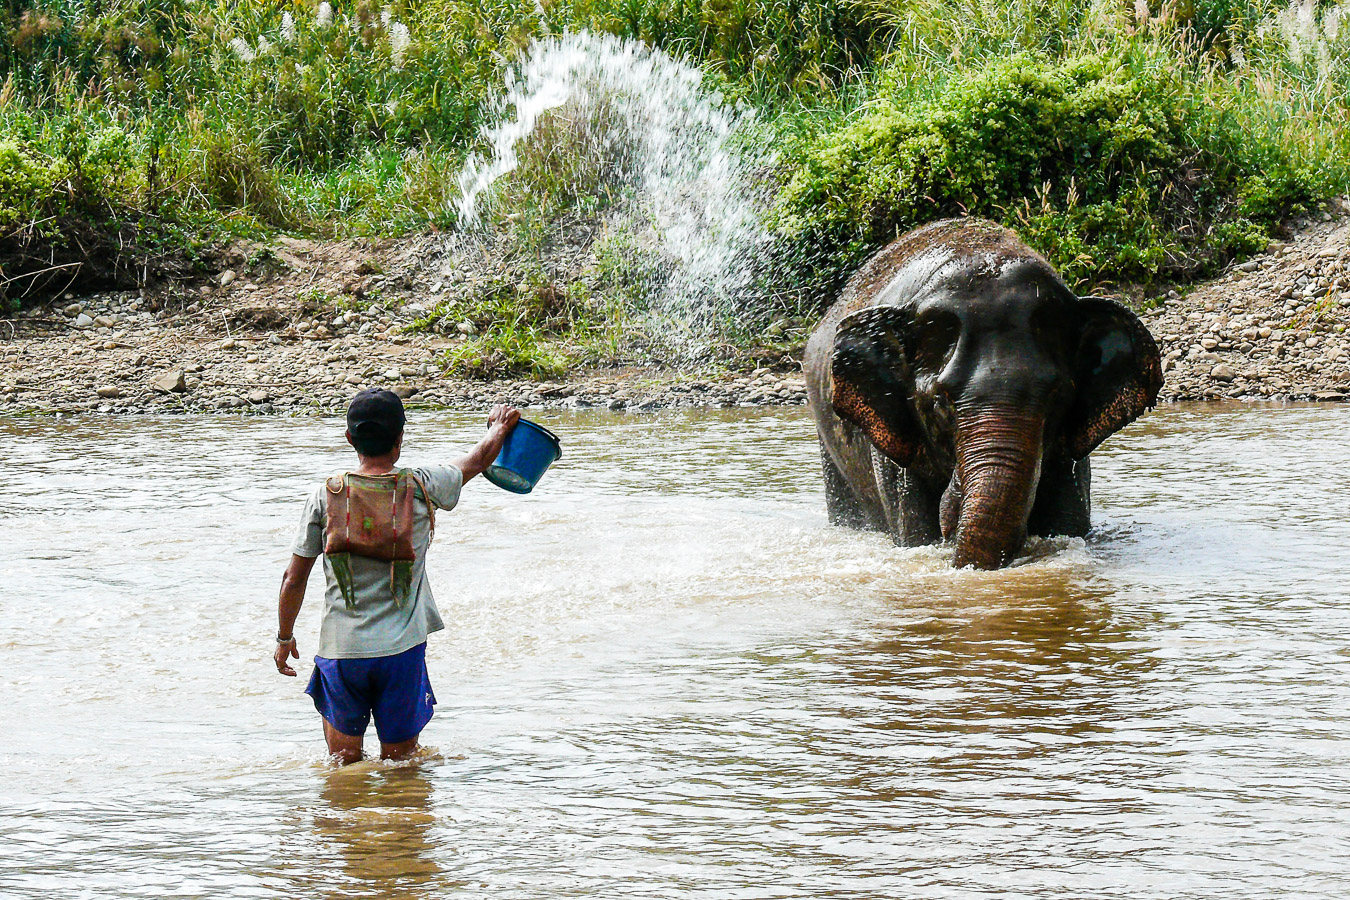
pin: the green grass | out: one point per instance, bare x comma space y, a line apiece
1131, 144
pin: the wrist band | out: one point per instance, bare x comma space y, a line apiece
281, 640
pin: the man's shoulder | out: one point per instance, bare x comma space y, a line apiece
442, 482
442, 471
317, 495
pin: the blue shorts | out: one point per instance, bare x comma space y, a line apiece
397, 689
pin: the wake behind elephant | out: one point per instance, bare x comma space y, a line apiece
958, 387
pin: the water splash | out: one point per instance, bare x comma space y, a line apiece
690, 169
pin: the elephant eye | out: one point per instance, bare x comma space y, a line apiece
1048, 329
936, 334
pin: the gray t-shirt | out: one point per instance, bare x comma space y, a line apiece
376, 625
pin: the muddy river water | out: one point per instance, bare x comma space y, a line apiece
665, 676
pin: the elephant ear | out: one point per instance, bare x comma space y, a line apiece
1119, 374
872, 383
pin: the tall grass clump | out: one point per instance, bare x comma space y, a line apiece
768, 49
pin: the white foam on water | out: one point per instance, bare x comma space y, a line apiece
692, 173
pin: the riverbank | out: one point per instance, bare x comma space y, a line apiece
1272, 327
297, 326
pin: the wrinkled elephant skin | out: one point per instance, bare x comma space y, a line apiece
958, 387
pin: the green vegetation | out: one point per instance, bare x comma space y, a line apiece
1130, 143
1115, 169
525, 324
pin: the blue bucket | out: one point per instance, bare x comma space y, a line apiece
528, 452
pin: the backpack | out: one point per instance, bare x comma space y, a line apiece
373, 516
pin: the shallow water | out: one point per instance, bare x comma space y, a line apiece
665, 676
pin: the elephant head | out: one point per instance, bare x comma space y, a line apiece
979, 375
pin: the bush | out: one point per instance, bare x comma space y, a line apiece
25, 186
505, 350
1114, 170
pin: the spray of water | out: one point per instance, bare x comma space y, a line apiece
691, 169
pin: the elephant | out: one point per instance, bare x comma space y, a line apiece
957, 387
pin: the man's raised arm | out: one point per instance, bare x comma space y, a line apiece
500, 422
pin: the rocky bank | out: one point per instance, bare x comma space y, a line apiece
1272, 327
298, 326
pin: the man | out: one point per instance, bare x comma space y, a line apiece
372, 639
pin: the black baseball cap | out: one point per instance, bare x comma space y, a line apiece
375, 418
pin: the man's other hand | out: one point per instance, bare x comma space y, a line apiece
284, 652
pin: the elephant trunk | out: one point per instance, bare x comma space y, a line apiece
998, 467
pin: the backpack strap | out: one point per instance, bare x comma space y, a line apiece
431, 507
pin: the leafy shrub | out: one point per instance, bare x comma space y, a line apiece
1113, 168
505, 350
25, 186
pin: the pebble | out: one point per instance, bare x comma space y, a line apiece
109, 392
83, 320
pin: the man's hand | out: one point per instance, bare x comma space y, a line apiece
503, 417
288, 608
500, 422
284, 652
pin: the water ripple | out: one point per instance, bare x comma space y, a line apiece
666, 677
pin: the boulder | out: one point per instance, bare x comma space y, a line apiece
174, 382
